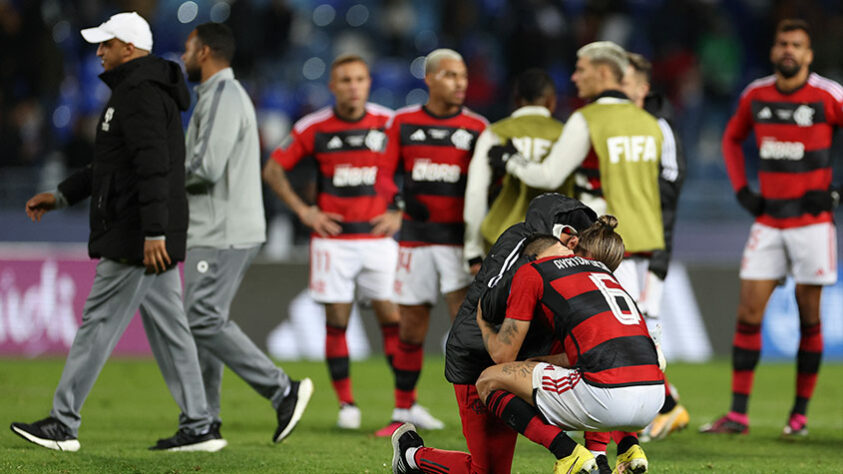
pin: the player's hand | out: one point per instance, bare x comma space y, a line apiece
387, 223
474, 265
817, 201
155, 256
751, 201
39, 204
500, 154
326, 224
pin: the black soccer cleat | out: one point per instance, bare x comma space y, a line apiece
48, 433
404, 438
290, 410
184, 441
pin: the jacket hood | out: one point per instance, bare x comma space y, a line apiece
549, 209
166, 74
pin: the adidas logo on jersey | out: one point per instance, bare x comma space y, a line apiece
418, 136
334, 143
425, 170
765, 113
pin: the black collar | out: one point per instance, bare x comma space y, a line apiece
611, 93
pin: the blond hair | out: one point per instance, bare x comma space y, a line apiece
431, 62
601, 242
608, 53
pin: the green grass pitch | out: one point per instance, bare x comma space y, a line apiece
129, 408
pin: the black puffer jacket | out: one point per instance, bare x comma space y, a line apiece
136, 179
465, 355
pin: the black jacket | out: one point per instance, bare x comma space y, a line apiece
658, 106
465, 354
136, 179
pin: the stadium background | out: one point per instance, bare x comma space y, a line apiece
704, 52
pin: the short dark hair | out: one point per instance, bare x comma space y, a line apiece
538, 243
533, 84
793, 24
640, 64
219, 38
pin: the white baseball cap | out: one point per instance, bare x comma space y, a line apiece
127, 27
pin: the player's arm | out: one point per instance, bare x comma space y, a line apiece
567, 153
504, 344
217, 137
477, 197
671, 176
389, 222
324, 224
560, 360
736, 132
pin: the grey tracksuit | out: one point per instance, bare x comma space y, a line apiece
226, 229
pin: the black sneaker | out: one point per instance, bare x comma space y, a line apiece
404, 438
290, 410
48, 433
184, 441
603, 464
215, 429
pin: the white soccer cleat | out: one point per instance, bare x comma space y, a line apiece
349, 417
422, 419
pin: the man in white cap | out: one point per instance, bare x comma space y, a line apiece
138, 231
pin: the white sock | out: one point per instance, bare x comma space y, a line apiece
598, 453
409, 456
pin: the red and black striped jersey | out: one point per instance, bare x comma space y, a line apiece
596, 321
353, 170
793, 132
433, 153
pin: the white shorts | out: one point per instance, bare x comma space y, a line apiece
565, 400
645, 287
808, 253
426, 270
338, 266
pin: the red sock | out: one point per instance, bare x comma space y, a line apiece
525, 419
746, 351
439, 461
336, 355
807, 365
617, 436
597, 441
408, 364
390, 339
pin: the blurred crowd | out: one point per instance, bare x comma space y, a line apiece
703, 51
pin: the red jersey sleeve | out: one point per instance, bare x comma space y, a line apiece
525, 292
736, 132
292, 150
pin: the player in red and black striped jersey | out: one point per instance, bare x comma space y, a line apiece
793, 114
604, 374
432, 145
352, 246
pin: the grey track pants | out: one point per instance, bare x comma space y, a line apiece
211, 278
117, 293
